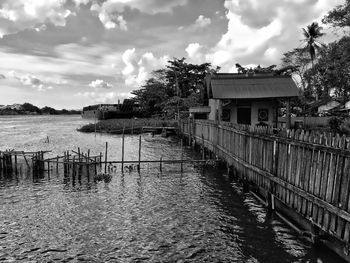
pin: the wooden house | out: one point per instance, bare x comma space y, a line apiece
248, 98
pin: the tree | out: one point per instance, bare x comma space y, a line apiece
299, 62
339, 16
48, 110
174, 88
331, 73
30, 108
311, 34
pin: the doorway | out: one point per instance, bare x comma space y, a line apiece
244, 115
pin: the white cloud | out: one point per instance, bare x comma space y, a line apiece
259, 32
100, 84
138, 67
20, 14
196, 52
30, 80
107, 97
110, 19
202, 21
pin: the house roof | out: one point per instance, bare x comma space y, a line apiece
242, 86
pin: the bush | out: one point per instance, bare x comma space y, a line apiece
335, 123
345, 127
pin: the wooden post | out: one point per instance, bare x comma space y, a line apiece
67, 160
182, 156
288, 120
57, 165
203, 153
16, 163
123, 151
160, 164
139, 166
132, 126
106, 153
88, 165
79, 154
100, 161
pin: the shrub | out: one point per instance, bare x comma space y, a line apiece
345, 127
335, 123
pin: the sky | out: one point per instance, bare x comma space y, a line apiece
73, 53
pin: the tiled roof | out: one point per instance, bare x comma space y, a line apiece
241, 86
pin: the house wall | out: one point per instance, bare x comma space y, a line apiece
214, 108
232, 107
269, 105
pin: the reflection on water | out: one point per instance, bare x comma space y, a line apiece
200, 215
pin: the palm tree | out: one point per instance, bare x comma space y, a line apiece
311, 34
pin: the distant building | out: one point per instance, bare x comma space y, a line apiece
250, 99
127, 109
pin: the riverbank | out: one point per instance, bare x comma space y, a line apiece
129, 126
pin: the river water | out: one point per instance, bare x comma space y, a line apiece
199, 215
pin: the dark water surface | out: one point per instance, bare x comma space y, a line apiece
199, 215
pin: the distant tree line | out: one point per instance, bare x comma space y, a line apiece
28, 108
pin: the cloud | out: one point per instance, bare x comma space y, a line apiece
109, 18
196, 52
2, 76
110, 11
30, 80
202, 22
138, 67
100, 84
107, 97
259, 32
20, 14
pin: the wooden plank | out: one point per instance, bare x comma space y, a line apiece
335, 188
333, 209
340, 188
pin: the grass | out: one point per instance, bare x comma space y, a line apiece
116, 126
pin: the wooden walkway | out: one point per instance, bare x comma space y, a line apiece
307, 172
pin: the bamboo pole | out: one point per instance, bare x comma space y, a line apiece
100, 161
160, 164
106, 153
182, 156
123, 151
203, 153
139, 165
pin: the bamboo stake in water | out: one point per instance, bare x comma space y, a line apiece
57, 165
106, 157
160, 164
138, 168
203, 153
123, 151
182, 156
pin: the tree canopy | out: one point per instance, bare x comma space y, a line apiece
176, 87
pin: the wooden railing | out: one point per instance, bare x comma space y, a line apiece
308, 171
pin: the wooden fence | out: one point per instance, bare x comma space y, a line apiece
308, 172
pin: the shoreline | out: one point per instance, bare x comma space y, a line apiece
126, 126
